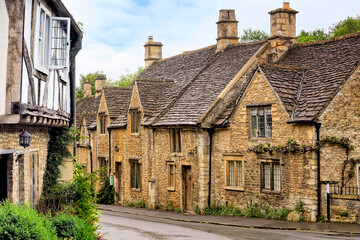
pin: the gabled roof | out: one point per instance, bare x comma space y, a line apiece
87, 107
206, 86
117, 100
328, 64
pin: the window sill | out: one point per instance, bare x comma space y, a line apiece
171, 189
135, 189
260, 138
270, 192
176, 154
239, 189
135, 134
42, 69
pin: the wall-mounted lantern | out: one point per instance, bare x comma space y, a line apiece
24, 139
116, 148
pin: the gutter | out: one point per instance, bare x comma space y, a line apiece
211, 133
317, 129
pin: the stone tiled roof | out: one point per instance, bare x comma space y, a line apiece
286, 82
86, 107
328, 64
206, 86
117, 100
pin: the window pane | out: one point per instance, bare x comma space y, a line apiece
231, 173
276, 177
239, 174
261, 122
178, 140
268, 122
59, 42
253, 122
171, 175
133, 175
266, 176
137, 175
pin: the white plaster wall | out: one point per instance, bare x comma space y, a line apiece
4, 31
27, 36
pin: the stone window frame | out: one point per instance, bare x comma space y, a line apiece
135, 120
102, 123
235, 159
171, 183
135, 174
84, 137
175, 140
267, 130
272, 163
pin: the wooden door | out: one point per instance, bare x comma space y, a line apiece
118, 181
187, 181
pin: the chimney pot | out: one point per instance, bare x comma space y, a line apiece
286, 5
100, 82
87, 89
153, 51
283, 24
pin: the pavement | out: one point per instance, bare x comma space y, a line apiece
259, 223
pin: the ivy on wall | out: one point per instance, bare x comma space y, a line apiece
57, 151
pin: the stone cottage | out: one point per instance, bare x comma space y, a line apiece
39, 41
266, 121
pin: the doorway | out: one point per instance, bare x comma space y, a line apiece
118, 182
187, 188
3, 177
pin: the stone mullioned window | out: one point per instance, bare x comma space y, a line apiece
260, 122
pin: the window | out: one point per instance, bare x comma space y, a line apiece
234, 171
175, 140
260, 122
135, 174
171, 175
135, 120
102, 123
52, 41
270, 176
84, 137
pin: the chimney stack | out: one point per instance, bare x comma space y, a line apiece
283, 21
87, 89
227, 29
153, 51
100, 82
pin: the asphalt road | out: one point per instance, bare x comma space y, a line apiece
126, 226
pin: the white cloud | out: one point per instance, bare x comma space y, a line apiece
116, 30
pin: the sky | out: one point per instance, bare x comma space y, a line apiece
116, 30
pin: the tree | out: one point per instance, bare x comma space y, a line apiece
316, 35
347, 26
125, 79
83, 79
253, 35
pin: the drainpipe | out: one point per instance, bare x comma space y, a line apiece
91, 160
317, 129
109, 130
211, 132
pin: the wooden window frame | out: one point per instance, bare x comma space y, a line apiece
267, 120
175, 140
135, 184
272, 163
102, 122
171, 184
135, 120
234, 159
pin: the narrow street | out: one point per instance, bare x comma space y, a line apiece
116, 225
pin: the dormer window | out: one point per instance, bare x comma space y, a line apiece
52, 42
135, 120
102, 121
260, 122
84, 136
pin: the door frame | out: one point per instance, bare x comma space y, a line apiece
185, 166
118, 173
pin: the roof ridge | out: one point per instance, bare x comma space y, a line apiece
216, 55
153, 80
118, 87
330, 40
186, 52
282, 66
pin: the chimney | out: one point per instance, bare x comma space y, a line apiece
227, 29
153, 51
100, 82
283, 21
87, 89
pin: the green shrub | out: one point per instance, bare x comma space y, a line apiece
283, 213
197, 209
106, 195
73, 227
252, 210
344, 214
299, 208
22, 222
136, 204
